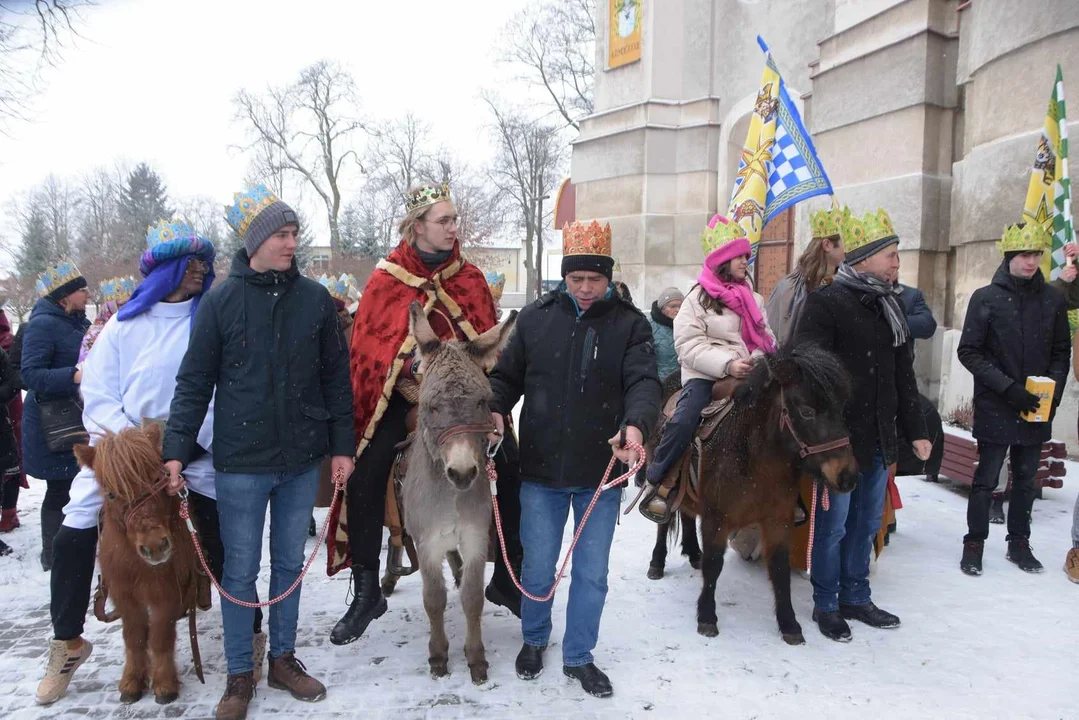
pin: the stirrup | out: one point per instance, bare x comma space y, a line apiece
650, 494
395, 555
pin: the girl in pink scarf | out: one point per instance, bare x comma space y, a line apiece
709, 344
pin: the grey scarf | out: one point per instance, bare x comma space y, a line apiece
885, 293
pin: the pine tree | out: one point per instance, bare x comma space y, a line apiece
36, 250
369, 243
143, 201
349, 232
303, 242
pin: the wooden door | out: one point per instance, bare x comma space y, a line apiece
774, 252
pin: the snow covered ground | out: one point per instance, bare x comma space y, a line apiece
999, 646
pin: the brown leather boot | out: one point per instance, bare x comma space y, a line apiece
288, 673
239, 689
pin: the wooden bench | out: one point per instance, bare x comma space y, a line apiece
961, 458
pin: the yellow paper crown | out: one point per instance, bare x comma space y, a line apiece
869, 229
426, 195
118, 289
1029, 237
56, 275
590, 239
828, 223
719, 233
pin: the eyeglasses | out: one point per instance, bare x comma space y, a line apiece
445, 222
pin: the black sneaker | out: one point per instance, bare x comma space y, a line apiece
529, 663
971, 563
832, 625
870, 615
1020, 554
594, 681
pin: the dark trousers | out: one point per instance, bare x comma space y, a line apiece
678, 433
9, 496
57, 494
74, 555
1025, 459
366, 493
908, 462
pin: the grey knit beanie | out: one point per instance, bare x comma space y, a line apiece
669, 295
272, 218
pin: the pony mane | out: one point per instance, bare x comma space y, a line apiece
821, 372
125, 463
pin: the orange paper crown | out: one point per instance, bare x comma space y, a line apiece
590, 239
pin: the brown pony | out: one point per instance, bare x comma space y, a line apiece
787, 422
146, 556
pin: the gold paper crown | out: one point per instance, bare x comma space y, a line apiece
590, 239
497, 283
425, 196
871, 228
718, 233
118, 289
1032, 236
828, 223
55, 276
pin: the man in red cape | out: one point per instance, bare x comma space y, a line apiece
427, 267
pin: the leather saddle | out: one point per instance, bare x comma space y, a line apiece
715, 412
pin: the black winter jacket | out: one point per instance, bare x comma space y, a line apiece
1013, 329
271, 346
582, 378
884, 391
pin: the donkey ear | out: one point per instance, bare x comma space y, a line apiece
486, 347
85, 455
426, 339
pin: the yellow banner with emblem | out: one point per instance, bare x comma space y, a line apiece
624, 32
749, 197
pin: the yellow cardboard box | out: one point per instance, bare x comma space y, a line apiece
1044, 388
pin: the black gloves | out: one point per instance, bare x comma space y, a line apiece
1021, 399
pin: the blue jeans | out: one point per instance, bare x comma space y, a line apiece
844, 540
241, 507
679, 432
544, 511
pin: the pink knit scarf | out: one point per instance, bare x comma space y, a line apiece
736, 295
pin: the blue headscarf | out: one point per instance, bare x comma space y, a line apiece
162, 281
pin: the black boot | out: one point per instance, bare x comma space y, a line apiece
502, 591
312, 529
996, 510
529, 663
971, 563
1020, 554
870, 615
51, 520
5, 549
367, 605
832, 625
594, 681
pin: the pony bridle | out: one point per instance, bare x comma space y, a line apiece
804, 449
143, 499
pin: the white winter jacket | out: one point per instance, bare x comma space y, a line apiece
707, 341
129, 375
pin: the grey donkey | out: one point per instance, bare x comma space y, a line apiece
446, 495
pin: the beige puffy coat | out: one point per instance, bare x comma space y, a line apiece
707, 341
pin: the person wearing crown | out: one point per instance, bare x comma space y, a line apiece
124, 386
50, 355
859, 317
114, 293
497, 283
1016, 328
719, 332
426, 266
583, 360
266, 349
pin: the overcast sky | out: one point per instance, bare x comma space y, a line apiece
153, 80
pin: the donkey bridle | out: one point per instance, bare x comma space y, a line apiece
143, 499
472, 429
805, 450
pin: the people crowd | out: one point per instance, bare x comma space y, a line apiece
270, 386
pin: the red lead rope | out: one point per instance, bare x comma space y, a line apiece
825, 505
492, 475
339, 480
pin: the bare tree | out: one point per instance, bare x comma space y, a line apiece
401, 154
33, 36
528, 157
479, 202
554, 43
61, 203
19, 294
306, 129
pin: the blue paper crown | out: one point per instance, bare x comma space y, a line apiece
118, 289
64, 271
246, 206
337, 287
167, 231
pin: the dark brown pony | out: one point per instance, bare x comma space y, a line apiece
146, 556
787, 421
